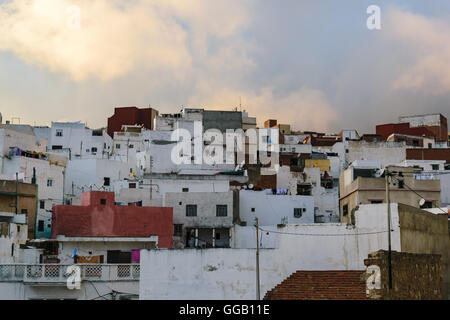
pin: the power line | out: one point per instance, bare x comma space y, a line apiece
326, 234
398, 180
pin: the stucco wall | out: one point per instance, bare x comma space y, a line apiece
230, 273
274, 209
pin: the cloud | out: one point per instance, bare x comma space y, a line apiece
427, 39
304, 108
115, 37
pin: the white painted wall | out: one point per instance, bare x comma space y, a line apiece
388, 153
230, 273
274, 209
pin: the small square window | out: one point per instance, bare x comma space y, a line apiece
132, 185
49, 182
253, 209
434, 167
185, 189
221, 210
93, 149
131, 146
117, 145
106, 181
24, 211
191, 210
59, 133
103, 202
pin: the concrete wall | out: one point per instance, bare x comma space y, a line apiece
274, 209
387, 153
206, 208
425, 232
230, 273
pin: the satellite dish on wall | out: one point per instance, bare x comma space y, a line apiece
421, 201
250, 186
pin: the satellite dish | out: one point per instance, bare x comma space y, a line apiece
421, 201
250, 186
379, 173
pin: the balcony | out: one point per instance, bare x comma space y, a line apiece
56, 273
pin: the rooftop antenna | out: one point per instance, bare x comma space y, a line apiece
240, 103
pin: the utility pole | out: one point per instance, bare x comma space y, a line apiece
388, 201
151, 181
17, 192
258, 296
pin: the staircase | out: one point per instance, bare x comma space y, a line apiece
321, 285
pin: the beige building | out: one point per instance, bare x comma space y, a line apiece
362, 186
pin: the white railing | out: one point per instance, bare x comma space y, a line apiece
57, 273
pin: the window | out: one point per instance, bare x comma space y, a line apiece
376, 201
221, 210
103, 202
59, 132
430, 146
253, 210
217, 236
401, 184
41, 225
415, 143
117, 145
106, 181
177, 230
434, 167
185, 189
93, 149
49, 182
24, 211
345, 209
18, 229
131, 146
55, 147
132, 185
191, 210
42, 204
298, 212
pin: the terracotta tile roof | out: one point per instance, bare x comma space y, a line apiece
320, 285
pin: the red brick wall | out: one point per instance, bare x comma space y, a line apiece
428, 154
385, 130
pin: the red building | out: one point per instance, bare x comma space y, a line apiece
99, 216
385, 130
131, 116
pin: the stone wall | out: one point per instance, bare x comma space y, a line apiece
414, 276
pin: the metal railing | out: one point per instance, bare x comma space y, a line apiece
57, 273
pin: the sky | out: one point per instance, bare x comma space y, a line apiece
312, 64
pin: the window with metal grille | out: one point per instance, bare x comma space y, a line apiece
59, 133
298, 212
221, 210
191, 210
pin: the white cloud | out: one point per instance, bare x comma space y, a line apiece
116, 37
427, 40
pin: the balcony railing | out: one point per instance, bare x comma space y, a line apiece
57, 273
